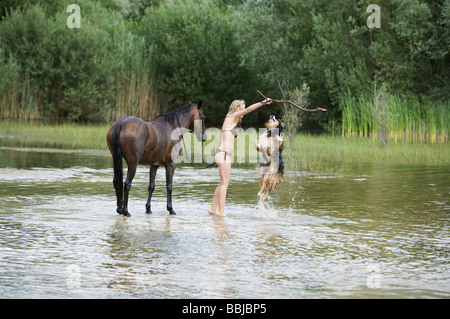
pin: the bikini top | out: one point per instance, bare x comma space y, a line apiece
233, 130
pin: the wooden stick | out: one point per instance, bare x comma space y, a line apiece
319, 109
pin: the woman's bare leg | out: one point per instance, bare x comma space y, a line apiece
225, 173
215, 202
221, 190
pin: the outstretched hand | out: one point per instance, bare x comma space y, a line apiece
267, 101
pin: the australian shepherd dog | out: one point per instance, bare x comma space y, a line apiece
271, 167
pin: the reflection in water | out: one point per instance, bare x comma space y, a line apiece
371, 230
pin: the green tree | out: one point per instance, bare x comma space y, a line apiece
335, 58
77, 74
269, 46
411, 52
195, 56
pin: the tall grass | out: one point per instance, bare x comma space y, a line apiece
324, 152
408, 118
136, 93
321, 152
19, 101
36, 134
17, 98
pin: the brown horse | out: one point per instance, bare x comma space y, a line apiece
153, 143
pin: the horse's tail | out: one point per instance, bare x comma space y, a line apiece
117, 161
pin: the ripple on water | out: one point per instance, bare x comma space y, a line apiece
319, 235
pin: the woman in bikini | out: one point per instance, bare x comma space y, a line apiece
225, 150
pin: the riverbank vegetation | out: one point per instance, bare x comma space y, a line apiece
142, 58
39, 134
396, 117
307, 150
319, 151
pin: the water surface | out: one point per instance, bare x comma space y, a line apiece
359, 231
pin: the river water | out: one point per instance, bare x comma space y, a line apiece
368, 230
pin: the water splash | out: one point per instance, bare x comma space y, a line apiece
265, 209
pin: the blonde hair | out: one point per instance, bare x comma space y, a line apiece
234, 106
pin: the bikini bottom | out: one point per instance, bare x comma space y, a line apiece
218, 150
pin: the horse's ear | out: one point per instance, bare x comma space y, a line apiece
200, 104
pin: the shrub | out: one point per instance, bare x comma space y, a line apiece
73, 74
195, 56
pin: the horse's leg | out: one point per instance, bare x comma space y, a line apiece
130, 175
151, 188
118, 186
170, 169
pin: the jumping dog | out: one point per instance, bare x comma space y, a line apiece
270, 144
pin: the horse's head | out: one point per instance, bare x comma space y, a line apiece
197, 123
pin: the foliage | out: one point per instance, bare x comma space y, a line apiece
266, 33
411, 53
69, 74
141, 57
291, 116
196, 57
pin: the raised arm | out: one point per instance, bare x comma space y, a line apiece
251, 108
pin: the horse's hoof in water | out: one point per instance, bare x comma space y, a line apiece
172, 212
148, 211
123, 212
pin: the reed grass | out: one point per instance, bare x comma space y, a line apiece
409, 118
136, 93
17, 98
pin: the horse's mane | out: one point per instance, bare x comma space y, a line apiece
171, 117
